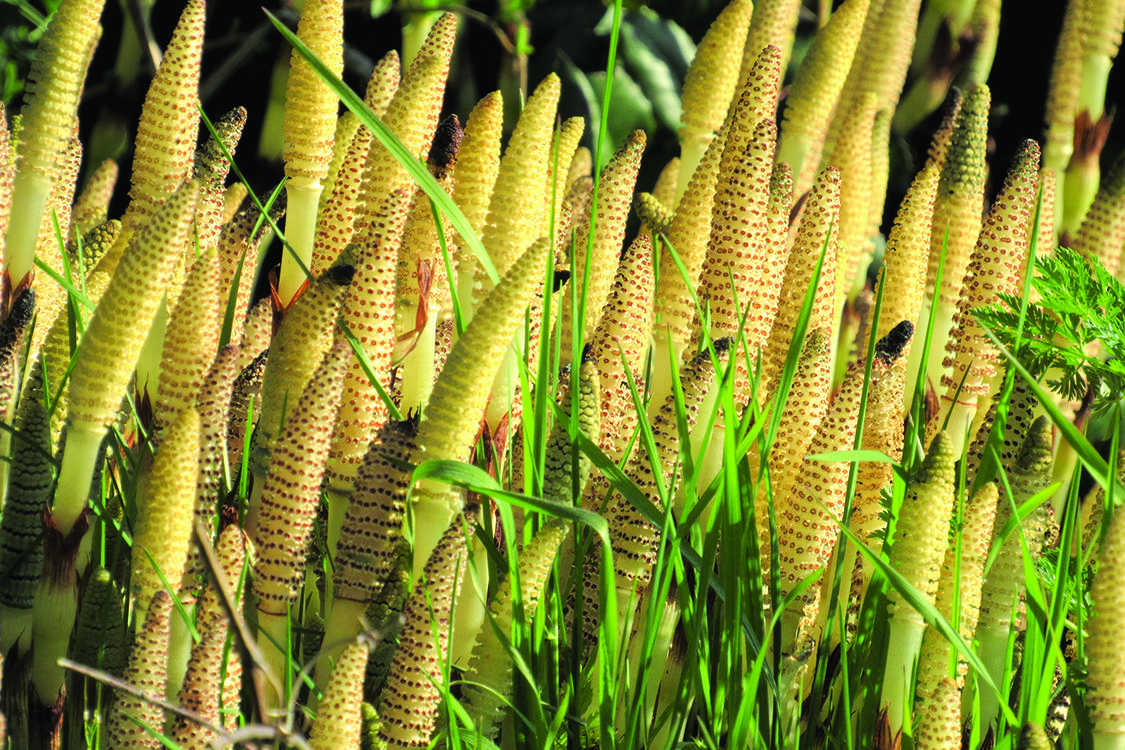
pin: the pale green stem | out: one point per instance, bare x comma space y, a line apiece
469, 609
902, 658
504, 386
30, 193
303, 199
56, 606
341, 627
179, 651
414, 33
418, 369
433, 509
1109, 740
81, 454
275, 659
993, 653
691, 153
337, 511
152, 351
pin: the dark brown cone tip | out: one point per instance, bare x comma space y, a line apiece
19, 317
340, 275
447, 144
890, 347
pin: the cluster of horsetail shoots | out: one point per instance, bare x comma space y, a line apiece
645, 463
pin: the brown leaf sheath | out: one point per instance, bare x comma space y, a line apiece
997, 265
338, 720
519, 201
412, 115
133, 718
818, 229
164, 523
368, 311
409, 701
808, 400
191, 340
478, 165
904, 260
166, 134
91, 207
202, 691
602, 236
292, 489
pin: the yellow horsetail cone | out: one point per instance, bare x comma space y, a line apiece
852, 156
904, 259
804, 408
135, 722
409, 702
997, 266
381, 86
816, 90
1102, 234
1105, 659
1064, 89
961, 578
774, 23
735, 273
289, 501
191, 340
478, 164
295, 353
108, 352
452, 418
336, 222
956, 223
164, 524
517, 208
201, 692
412, 115
53, 88
883, 432
7, 177
921, 538
600, 237
309, 129
91, 207
339, 717
166, 134
817, 233
710, 84
566, 144
368, 311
